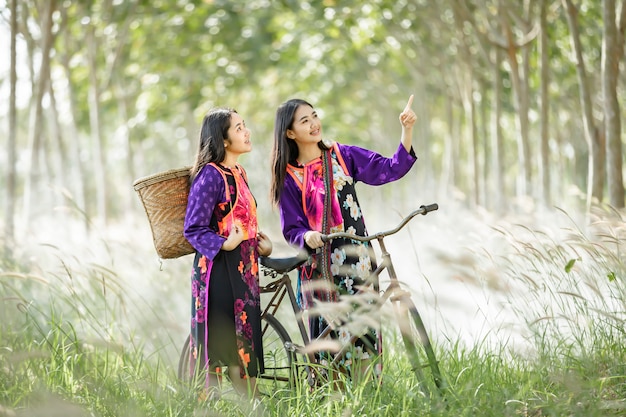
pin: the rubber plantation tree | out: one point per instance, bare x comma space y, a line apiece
593, 135
544, 59
36, 133
492, 31
612, 53
11, 192
129, 82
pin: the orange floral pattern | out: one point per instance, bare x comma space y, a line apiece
240, 267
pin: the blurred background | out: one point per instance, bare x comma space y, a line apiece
519, 108
518, 101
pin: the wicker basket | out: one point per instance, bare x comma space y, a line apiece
164, 197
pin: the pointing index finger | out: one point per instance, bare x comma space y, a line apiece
409, 103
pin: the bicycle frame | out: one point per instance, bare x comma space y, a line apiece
399, 297
282, 288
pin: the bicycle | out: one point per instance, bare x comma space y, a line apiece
281, 353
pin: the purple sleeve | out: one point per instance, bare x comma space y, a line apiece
374, 169
293, 221
206, 192
364, 165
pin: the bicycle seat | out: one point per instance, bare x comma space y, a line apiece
284, 265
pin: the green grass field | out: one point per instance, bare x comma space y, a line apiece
96, 332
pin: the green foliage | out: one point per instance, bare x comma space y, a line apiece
159, 66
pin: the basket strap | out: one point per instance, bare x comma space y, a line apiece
226, 191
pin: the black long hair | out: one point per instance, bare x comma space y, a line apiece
284, 150
213, 133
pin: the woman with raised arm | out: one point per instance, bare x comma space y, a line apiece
221, 224
313, 185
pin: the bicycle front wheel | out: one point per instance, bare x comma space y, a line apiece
419, 350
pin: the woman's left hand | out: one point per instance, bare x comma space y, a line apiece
264, 244
408, 116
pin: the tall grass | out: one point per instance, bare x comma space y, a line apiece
97, 332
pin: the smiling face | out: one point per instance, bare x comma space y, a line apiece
306, 127
238, 141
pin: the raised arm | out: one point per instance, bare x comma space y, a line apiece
407, 119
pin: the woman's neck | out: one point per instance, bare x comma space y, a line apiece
229, 161
308, 153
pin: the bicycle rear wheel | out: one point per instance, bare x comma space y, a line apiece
184, 368
279, 359
417, 343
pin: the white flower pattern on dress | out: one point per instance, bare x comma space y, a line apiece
337, 258
349, 283
344, 336
339, 177
360, 354
350, 263
363, 267
350, 203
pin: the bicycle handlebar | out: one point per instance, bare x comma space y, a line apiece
423, 210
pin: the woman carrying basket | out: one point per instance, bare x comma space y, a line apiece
221, 224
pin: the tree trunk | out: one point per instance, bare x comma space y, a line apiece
612, 123
98, 147
36, 128
524, 108
469, 110
125, 131
423, 136
466, 91
496, 133
544, 167
485, 146
61, 162
450, 157
520, 90
595, 173
475, 168
31, 46
9, 219
78, 184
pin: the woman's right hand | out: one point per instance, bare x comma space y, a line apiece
234, 238
264, 244
313, 239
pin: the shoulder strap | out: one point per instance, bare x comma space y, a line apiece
218, 169
243, 173
340, 160
327, 276
327, 171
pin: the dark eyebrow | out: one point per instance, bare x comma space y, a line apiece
304, 117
